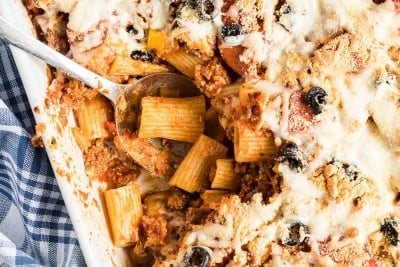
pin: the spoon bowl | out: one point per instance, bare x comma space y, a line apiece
124, 97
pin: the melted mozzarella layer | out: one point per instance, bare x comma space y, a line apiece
344, 131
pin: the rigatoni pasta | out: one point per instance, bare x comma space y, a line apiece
92, 117
124, 208
182, 60
192, 172
252, 145
180, 119
225, 176
124, 65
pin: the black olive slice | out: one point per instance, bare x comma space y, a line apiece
142, 55
131, 30
196, 257
316, 99
295, 234
291, 154
206, 10
389, 230
378, 2
232, 34
187, 10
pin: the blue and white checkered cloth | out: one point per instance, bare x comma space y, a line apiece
35, 229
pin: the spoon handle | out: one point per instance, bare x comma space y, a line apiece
33, 46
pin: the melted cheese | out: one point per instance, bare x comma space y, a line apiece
343, 131
303, 17
196, 30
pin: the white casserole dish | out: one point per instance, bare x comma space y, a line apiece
82, 197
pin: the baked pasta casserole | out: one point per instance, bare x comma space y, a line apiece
288, 153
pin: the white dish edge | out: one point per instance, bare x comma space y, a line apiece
82, 198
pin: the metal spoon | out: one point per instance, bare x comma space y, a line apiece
125, 97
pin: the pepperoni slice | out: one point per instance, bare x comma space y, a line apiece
300, 115
396, 4
231, 54
372, 263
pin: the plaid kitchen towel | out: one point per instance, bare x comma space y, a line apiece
35, 229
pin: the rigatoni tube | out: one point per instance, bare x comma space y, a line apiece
183, 61
124, 65
180, 59
124, 208
180, 119
252, 145
192, 172
93, 116
225, 177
